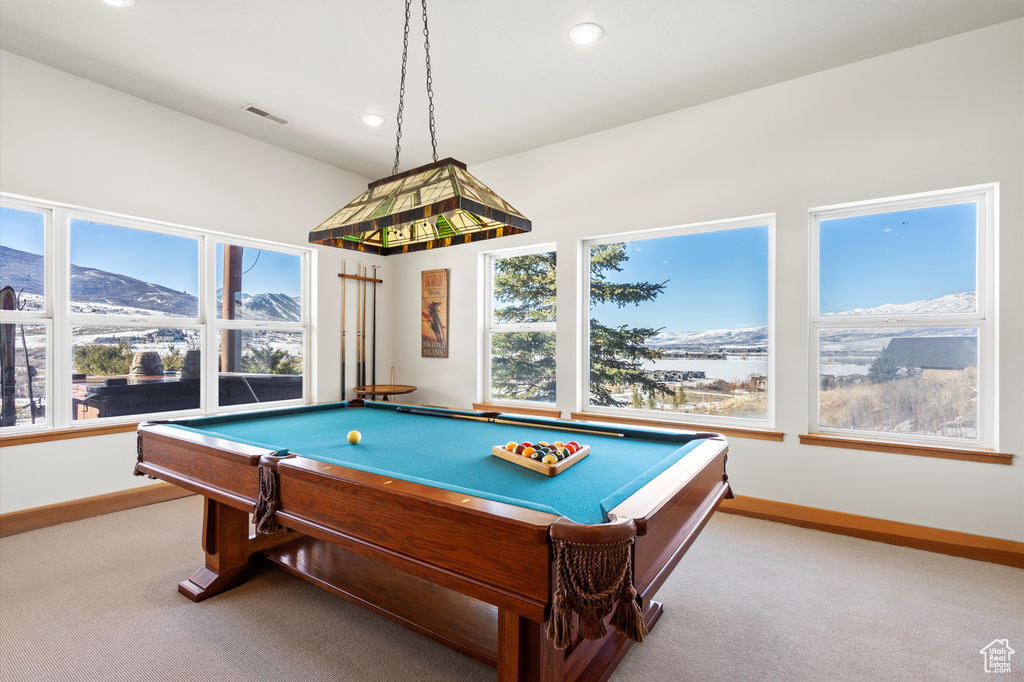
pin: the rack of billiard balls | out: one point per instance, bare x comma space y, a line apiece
547, 458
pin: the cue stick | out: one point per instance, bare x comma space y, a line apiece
343, 278
494, 420
373, 348
359, 328
366, 271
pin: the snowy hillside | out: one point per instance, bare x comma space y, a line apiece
102, 292
965, 302
278, 307
712, 338
865, 340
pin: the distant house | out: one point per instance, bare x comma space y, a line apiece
934, 352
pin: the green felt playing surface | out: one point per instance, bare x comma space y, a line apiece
455, 454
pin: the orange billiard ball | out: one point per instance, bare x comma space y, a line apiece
527, 452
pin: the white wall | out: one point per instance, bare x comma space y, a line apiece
69, 140
942, 115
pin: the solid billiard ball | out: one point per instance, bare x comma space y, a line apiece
537, 455
558, 443
564, 452
511, 445
549, 459
572, 442
519, 449
528, 451
527, 444
543, 442
354, 437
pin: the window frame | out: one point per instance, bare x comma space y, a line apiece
583, 359
43, 317
488, 327
984, 318
211, 340
61, 321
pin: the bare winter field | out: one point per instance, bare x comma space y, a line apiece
936, 403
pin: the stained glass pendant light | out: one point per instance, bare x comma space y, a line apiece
439, 204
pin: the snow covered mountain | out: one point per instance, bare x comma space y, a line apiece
99, 291
95, 290
280, 307
964, 302
712, 339
852, 339
21, 270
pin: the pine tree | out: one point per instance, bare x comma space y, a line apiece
679, 398
617, 354
263, 359
103, 359
913, 369
174, 360
652, 402
637, 400
523, 363
884, 368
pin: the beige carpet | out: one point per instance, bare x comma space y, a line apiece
97, 600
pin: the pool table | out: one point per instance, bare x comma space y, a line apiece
421, 524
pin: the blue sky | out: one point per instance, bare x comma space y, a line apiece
167, 260
897, 257
162, 259
266, 271
21, 230
716, 280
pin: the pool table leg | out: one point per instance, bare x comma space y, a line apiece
525, 654
227, 547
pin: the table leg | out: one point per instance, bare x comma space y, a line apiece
226, 543
525, 654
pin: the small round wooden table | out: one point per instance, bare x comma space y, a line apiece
383, 390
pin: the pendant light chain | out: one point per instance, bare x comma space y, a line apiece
401, 92
430, 81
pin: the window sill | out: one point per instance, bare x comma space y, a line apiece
519, 409
64, 434
978, 455
730, 431
124, 427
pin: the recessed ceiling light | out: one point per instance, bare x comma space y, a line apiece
373, 120
585, 34
120, 3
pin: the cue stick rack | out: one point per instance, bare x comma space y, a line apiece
362, 281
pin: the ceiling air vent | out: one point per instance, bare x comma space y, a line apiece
265, 114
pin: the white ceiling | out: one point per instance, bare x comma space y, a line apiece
506, 79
